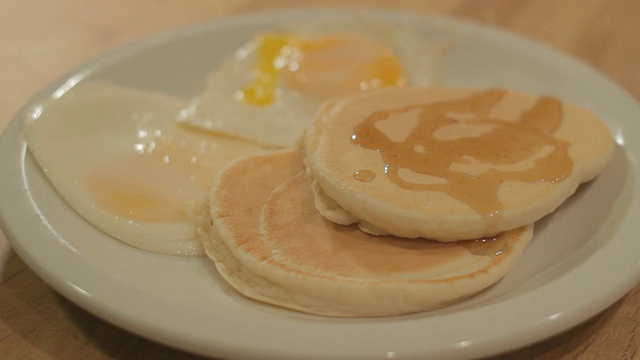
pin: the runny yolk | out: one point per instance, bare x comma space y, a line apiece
321, 67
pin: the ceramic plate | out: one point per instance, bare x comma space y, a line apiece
583, 258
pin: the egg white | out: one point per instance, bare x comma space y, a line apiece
101, 143
280, 124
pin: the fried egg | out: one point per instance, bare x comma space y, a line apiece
119, 160
269, 90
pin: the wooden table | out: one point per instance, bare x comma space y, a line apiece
40, 40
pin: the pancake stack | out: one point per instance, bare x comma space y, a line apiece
399, 200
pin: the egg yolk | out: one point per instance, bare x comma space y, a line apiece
321, 67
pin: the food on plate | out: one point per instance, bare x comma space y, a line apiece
118, 158
446, 183
390, 198
136, 163
450, 163
270, 89
270, 243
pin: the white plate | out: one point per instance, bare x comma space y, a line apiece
583, 258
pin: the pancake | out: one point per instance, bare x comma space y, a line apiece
269, 243
450, 163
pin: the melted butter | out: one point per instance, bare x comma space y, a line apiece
506, 143
488, 246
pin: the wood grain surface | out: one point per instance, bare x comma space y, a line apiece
40, 40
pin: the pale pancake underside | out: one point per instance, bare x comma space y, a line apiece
270, 244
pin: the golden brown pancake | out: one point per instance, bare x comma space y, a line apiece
270, 243
450, 163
